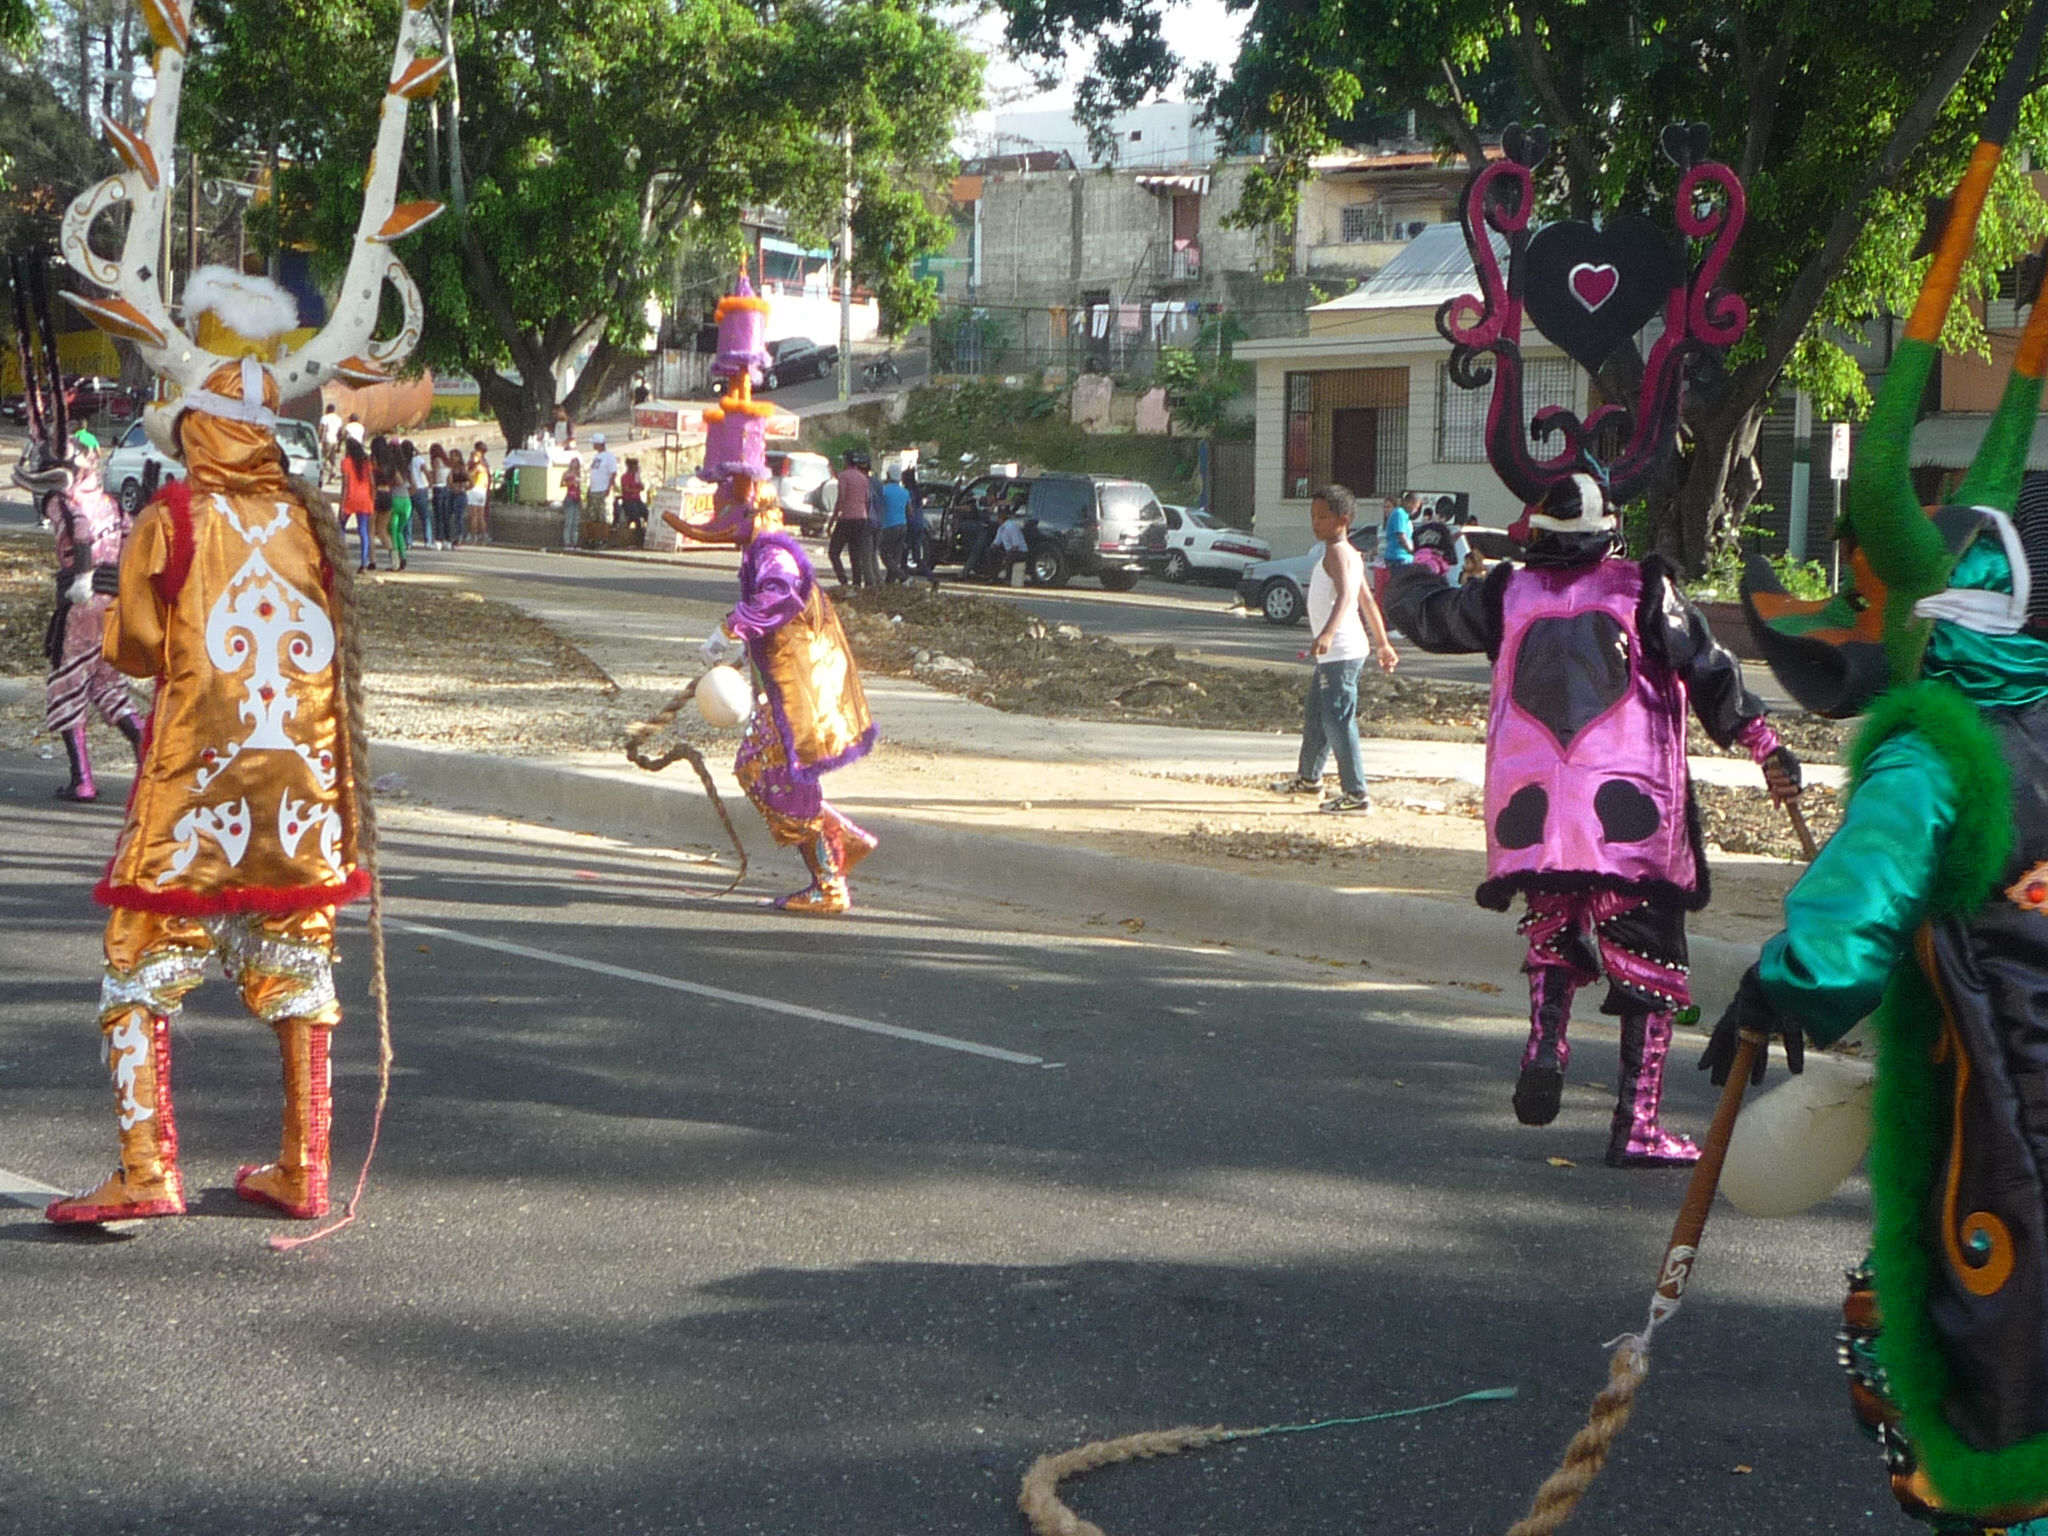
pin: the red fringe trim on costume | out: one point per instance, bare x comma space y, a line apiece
177, 499
273, 902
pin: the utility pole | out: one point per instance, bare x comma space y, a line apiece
846, 273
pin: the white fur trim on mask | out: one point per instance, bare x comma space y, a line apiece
250, 305
249, 408
1988, 613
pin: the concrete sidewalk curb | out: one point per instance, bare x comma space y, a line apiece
1419, 934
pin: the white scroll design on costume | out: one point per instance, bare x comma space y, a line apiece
127, 1049
295, 818
263, 623
228, 825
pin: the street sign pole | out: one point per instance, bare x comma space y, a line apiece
1838, 471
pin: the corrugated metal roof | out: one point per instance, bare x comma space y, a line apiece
1951, 440
1432, 267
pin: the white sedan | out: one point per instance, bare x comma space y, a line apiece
121, 472
1197, 545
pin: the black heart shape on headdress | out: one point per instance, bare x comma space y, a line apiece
1589, 290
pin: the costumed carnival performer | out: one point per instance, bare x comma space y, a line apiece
250, 821
60, 469
1929, 908
1596, 657
241, 837
812, 714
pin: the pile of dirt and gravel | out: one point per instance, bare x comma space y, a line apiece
1002, 655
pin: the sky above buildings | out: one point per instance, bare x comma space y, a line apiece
1200, 31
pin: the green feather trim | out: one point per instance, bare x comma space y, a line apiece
1910, 1110
1954, 728
1910, 1113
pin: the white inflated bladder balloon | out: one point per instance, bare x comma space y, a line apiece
1794, 1146
724, 698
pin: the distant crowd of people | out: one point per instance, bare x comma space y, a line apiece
394, 495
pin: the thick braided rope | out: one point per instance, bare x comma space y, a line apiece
1040, 1499
636, 753
1587, 1453
328, 528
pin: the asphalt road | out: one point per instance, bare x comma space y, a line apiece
643, 1257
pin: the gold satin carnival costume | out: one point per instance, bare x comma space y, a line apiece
240, 840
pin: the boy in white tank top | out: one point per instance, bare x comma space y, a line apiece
1341, 610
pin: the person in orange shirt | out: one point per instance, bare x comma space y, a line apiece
247, 827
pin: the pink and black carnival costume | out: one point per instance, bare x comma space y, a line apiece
1597, 658
62, 474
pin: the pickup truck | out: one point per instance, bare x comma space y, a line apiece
797, 357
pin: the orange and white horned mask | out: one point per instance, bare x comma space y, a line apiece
186, 356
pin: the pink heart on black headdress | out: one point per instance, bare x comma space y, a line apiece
1593, 285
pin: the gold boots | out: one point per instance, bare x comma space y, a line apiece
826, 895
297, 1182
849, 843
148, 1182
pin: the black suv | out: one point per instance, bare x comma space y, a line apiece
1089, 525
797, 357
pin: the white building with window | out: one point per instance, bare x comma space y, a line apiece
1365, 399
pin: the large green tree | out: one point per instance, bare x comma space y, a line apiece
49, 159
579, 141
1841, 118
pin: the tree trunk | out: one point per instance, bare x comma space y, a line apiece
1714, 495
608, 367
522, 408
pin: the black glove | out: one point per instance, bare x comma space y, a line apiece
1752, 1010
106, 580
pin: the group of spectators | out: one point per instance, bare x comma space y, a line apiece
1432, 542
587, 506
388, 486
877, 528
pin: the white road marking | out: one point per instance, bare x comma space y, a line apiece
720, 994
23, 1190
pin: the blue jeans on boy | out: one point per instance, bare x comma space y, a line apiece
1329, 723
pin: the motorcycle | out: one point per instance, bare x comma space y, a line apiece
882, 370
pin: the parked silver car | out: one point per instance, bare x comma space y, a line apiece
122, 471
1278, 589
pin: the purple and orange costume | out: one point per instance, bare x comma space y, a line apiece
812, 714
1597, 658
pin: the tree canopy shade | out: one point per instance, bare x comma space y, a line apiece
46, 159
581, 140
1842, 116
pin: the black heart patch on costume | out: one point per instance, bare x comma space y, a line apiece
1589, 290
1570, 672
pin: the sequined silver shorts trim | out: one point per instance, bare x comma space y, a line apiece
246, 954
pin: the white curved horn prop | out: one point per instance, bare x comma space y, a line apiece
136, 308
343, 347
